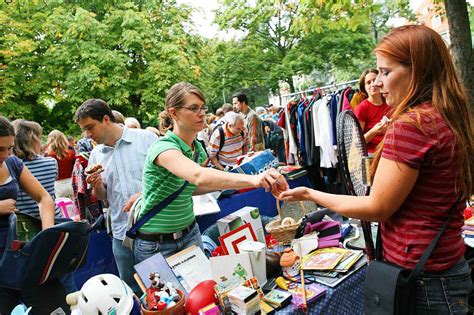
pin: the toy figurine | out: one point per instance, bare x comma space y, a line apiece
290, 263
240, 271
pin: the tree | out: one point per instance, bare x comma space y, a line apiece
58, 54
461, 44
287, 47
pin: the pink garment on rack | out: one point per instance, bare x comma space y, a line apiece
345, 101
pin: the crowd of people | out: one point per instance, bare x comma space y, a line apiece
423, 164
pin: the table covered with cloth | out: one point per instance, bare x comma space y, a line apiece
264, 201
345, 298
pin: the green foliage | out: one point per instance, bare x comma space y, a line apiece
55, 54
61, 53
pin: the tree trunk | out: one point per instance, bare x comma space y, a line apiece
461, 43
289, 80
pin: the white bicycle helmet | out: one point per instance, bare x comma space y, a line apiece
105, 294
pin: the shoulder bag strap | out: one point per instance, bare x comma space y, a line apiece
132, 232
429, 250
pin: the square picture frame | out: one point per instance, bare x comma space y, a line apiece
230, 241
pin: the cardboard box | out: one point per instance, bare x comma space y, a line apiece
240, 217
256, 164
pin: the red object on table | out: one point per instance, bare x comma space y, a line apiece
467, 213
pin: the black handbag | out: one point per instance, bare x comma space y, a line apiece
390, 289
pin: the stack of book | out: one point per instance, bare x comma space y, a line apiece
223, 288
244, 300
332, 265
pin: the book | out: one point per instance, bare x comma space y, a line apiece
323, 259
157, 263
334, 281
242, 294
266, 308
191, 266
278, 298
347, 262
313, 291
206, 204
228, 266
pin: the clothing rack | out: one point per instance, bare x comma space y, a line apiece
285, 97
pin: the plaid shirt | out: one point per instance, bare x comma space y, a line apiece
89, 207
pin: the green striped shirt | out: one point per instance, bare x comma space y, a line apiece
159, 183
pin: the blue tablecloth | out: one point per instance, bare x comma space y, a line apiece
100, 258
264, 201
345, 298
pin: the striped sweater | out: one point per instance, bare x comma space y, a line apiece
45, 170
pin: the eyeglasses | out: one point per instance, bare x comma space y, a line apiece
196, 109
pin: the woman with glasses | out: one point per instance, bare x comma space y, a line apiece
170, 162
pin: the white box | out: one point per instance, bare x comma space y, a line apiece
240, 217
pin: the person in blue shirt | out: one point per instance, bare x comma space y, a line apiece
48, 297
121, 152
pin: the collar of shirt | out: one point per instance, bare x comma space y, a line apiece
126, 137
186, 149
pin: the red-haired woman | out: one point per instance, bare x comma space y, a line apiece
423, 168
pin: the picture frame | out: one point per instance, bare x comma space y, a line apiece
230, 241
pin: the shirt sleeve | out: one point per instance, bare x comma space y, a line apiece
17, 165
406, 143
159, 147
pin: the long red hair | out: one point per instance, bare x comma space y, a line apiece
433, 80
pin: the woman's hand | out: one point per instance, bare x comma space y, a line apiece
273, 181
296, 194
8, 206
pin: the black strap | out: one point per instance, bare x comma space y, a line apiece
421, 263
132, 233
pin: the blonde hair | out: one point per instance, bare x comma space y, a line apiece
57, 143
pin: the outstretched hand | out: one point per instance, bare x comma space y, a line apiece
273, 181
295, 194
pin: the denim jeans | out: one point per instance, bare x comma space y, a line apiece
444, 292
145, 249
125, 261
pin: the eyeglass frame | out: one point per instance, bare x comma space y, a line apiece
197, 110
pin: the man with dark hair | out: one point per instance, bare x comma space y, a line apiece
121, 152
252, 121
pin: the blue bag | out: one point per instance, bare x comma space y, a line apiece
49, 254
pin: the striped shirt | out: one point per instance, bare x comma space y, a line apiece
45, 170
159, 183
410, 230
123, 169
232, 148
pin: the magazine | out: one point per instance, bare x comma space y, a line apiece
323, 259
334, 281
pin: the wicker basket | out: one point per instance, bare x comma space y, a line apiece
284, 233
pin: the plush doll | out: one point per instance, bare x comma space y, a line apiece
290, 263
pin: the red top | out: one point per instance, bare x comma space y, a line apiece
65, 165
410, 230
371, 114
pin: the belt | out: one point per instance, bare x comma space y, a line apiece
160, 237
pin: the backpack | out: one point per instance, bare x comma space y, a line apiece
49, 254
